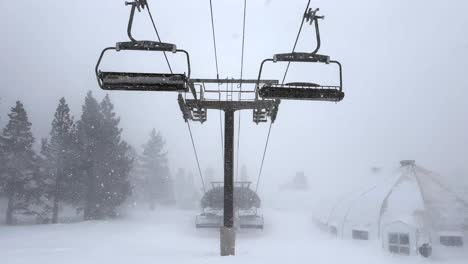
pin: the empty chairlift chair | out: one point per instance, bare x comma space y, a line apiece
135, 81
303, 90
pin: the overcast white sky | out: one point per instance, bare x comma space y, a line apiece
405, 78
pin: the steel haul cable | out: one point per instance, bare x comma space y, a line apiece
217, 77
263, 158
157, 34
196, 157
297, 39
240, 87
284, 77
188, 124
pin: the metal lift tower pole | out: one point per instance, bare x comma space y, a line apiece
227, 233
191, 110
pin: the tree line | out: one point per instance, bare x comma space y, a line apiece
84, 164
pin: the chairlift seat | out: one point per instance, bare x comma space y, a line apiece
208, 221
251, 221
143, 81
302, 91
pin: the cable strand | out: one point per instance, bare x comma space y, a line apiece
240, 87
157, 34
196, 157
295, 43
284, 78
215, 49
263, 158
188, 124
214, 40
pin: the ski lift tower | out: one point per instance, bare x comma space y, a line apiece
196, 110
195, 99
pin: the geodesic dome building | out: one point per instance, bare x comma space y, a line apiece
409, 209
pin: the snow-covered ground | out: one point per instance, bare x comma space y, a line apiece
169, 236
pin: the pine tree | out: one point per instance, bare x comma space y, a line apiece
105, 159
90, 137
60, 157
158, 186
21, 175
3, 145
115, 169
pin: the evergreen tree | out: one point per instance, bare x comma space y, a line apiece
3, 144
158, 186
20, 174
60, 157
106, 159
117, 163
90, 136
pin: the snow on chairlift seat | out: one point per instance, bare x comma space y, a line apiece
250, 219
302, 91
209, 219
143, 81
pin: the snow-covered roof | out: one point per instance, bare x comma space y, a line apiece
412, 195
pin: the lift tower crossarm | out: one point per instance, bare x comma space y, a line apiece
231, 105
238, 81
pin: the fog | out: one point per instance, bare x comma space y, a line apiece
404, 77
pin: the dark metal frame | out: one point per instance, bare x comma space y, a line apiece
311, 17
99, 74
144, 45
302, 90
261, 108
307, 87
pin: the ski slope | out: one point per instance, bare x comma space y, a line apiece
169, 236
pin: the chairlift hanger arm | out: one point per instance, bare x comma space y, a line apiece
311, 16
137, 4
